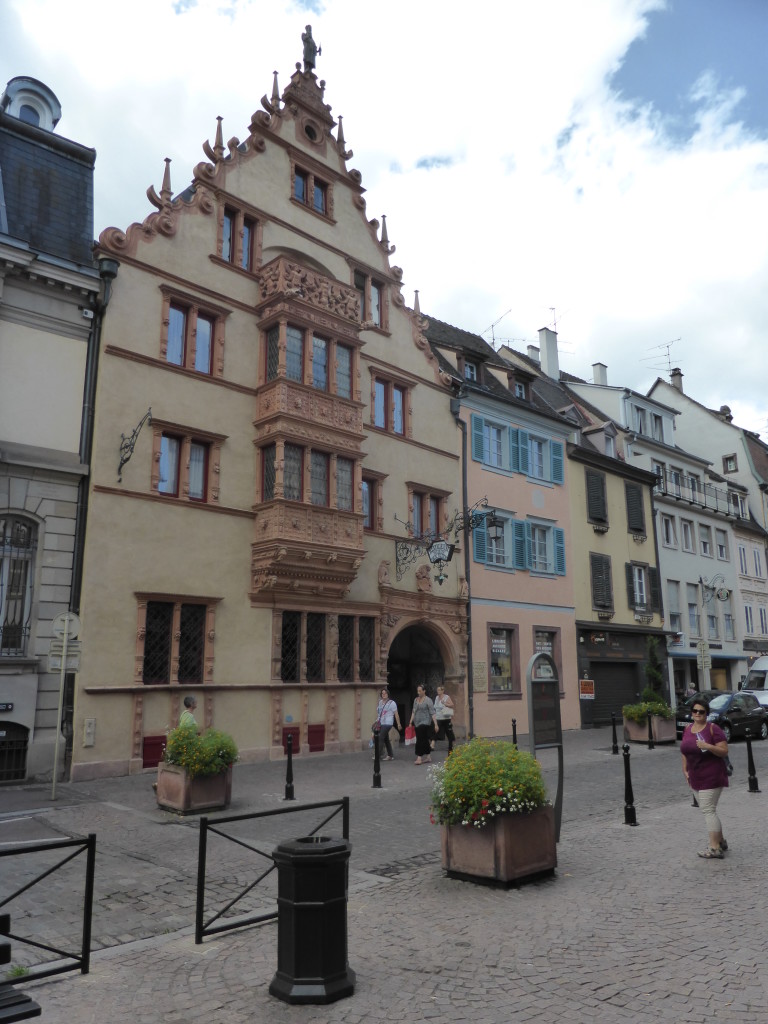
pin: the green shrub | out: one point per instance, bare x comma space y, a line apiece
639, 712
482, 779
208, 754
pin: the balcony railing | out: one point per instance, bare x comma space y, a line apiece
696, 493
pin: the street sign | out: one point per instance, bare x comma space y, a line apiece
66, 622
72, 665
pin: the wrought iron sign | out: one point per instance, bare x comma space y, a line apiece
438, 547
127, 444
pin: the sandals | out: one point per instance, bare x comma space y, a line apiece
417, 761
723, 845
711, 854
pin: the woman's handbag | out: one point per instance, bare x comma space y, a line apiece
410, 735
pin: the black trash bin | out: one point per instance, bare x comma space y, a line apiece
312, 962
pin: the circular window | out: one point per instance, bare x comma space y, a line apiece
311, 132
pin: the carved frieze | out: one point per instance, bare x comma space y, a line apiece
284, 277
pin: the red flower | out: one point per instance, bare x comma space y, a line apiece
484, 803
499, 792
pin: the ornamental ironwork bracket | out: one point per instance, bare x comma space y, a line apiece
406, 553
127, 444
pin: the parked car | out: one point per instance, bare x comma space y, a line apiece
755, 683
733, 712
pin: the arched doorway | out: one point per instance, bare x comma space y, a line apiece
414, 659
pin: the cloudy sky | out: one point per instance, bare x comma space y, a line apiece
600, 166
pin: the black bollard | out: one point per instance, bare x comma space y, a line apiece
753, 786
650, 731
630, 818
376, 761
514, 730
614, 742
289, 770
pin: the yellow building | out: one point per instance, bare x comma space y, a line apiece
269, 417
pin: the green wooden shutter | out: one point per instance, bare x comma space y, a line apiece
628, 568
518, 533
478, 445
556, 459
602, 591
653, 586
635, 511
514, 449
522, 444
480, 542
597, 509
559, 538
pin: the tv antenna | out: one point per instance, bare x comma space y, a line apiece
667, 346
493, 336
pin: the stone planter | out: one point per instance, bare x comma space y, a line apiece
664, 730
176, 791
511, 848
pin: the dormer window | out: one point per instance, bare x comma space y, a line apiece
29, 115
520, 390
470, 371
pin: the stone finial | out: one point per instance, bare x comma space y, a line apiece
166, 193
218, 146
275, 92
384, 235
416, 307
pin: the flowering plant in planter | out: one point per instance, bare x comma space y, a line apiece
639, 712
208, 754
482, 779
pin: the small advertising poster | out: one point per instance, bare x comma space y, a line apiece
586, 689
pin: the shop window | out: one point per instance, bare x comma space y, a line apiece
504, 662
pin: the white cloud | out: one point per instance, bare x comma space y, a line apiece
545, 188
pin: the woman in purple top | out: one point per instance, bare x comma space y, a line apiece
704, 749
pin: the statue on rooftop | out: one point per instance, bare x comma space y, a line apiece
311, 50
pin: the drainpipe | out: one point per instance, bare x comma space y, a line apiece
107, 272
455, 410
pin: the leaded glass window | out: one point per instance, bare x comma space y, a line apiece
273, 356
344, 477
315, 647
268, 473
366, 647
320, 364
319, 478
346, 648
292, 473
157, 642
343, 371
290, 647
191, 643
294, 355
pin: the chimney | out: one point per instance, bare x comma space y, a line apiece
533, 353
548, 346
676, 379
600, 374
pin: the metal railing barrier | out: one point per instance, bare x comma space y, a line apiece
210, 927
81, 960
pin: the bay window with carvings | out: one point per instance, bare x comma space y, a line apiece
309, 358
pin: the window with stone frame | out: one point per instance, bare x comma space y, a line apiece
356, 646
298, 461
18, 545
306, 635
185, 463
372, 500
643, 593
425, 511
311, 191
372, 294
175, 640
345, 484
239, 238
192, 335
390, 405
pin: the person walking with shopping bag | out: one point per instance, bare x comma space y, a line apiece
425, 723
444, 710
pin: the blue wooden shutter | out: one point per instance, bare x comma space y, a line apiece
514, 456
480, 542
518, 544
478, 424
559, 537
556, 458
522, 444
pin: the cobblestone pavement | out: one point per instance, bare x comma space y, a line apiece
633, 927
